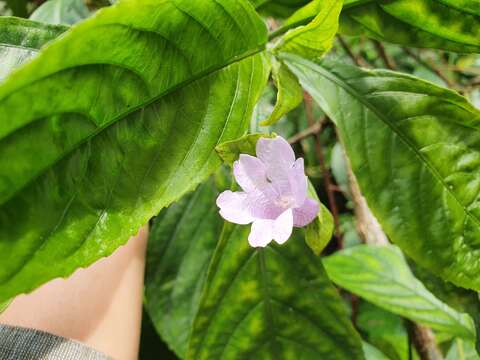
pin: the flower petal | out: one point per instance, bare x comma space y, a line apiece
262, 203
283, 226
250, 172
234, 207
277, 155
305, 214
261, 233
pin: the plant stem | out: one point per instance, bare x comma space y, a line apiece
429, 66
311, 130
387, 60
327, 180
424, 341
357, 59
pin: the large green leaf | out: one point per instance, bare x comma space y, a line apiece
181, 244
372, 353
66, 12
138, 98
381, 275
415, 149
20, 41
443, 24
272, 303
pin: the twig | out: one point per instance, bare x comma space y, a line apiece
429, 66
387, 60
326, 174
312, 130
424, 341
357, 60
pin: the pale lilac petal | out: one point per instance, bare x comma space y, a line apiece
234, 207
305, 214
283, 226
250, 172
262, 203
261, 233
277, 155
298, 182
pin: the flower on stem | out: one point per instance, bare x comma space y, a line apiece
274, 197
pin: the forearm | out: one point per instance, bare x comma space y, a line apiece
100, 306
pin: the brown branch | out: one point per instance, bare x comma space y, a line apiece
387, 60
424, 341
357, 60
312, 130
429, 66
327, 179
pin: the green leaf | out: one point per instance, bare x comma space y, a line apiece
66, 12
381, 275
181, 244
273, 303
230, 151
320, 231
385, 330
372, 353
120, 135
414, 148
278, 8
462, 350
289, 95
20, 41
442, 24
316, 38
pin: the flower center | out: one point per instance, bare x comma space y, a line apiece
284, 201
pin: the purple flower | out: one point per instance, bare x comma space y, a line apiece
274, 196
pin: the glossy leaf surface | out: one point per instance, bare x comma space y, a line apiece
415, 149
289, 93
443, 24
134, 134
462, 350
67, 12
20, 41
181, 244
270, 304
314, 39
381, 275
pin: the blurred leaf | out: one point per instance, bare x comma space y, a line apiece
451, 25
230, 151
181, 244
66, 12
381, 275
415, 150
4, 305
272, 303
462, 350
278, 8
20, 41
372, 353
122, 133
386, 331
316, 38
289, 95
18, 7
339, 169
320, 231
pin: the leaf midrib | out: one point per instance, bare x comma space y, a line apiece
202, 74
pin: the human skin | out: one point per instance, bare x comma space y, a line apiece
100, 306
